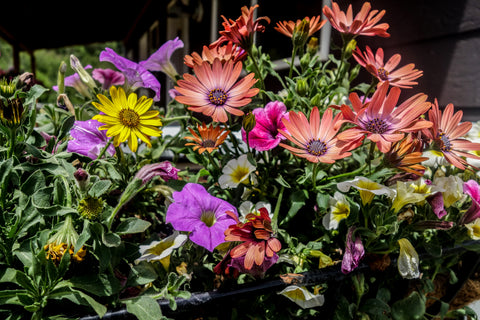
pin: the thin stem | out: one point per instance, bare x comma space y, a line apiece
292, 63
277, 210
347, 174
102, 152
11, 146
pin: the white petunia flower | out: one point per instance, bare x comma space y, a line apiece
236, 171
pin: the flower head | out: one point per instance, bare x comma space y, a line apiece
354, 252
224, 53
471, 188
215, 90
164, 170
162, 250
209, 137
316, 138
446, 135
451, 187
367, 189
408, 192
88, 139
90, 207
257, 239
406, 155
308, 26
474, 229
408, 261
339, 210
381, 121
160, 60
241, 31
64, 241
364, 23
136, 76
127, 119
203, 215
265, 135
402, 78
108, 77
236, 171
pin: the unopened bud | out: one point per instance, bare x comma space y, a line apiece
350, 48
61, 77
82, 178
249, 122
84, 75
316, 100
301, 87
300, 33
312, 46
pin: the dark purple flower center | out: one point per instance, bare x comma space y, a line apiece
217, 97
382, 74
208, 143
445, 144
377, 126
316, 147
129, 118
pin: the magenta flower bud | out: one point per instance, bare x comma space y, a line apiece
354, 252
164, 169
82, 178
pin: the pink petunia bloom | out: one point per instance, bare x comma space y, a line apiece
108, 77
354, 252
164, 170
268, 120
472, 188
381, 121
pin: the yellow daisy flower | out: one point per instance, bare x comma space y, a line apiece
127, 119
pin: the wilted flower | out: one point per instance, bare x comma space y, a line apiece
108, 77
203, 215
160, 60
354, 252
164, 170
408, 261
303, 297
88, 139
406, 155
268, 120
162, 250
236, 171
367, 188
452, 187
64, 241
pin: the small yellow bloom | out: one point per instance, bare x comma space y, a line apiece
474, 229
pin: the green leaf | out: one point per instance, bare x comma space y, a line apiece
409, 308
99, 188
111, 239
144, 308
102, 285
376, 309
85, 299
17, 297
141, 274
281, 181
34, 93
67, 124
132, 225
34, 182
297, 200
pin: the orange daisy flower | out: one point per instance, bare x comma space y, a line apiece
214, 90
381, 121
402, 78
316, 138
446, 134
406, 155
224, 53
241, 31
288, 27
210, 138
257, 236
364, 23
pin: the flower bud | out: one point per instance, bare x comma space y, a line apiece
11, 111
82, 178
305, 61
84, 75
312, 46
301, 87
300, 33
316, 100
61, 77
349, 49
249, 122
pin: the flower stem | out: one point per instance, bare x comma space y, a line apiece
292, 63
11, 146
102, 152
347, 174
277, 210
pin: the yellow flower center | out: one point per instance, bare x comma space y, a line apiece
217, 97
129, 118
208, 217
340, 211
316, 148
239, 174
382, 74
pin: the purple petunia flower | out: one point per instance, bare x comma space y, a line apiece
164, 169
202, 214
108, 77
354, 252
264, 135
160, 60
88, 140
136, 76
472, 188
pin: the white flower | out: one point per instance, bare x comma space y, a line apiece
367, 188
303, 297
453, 186
435, 159
474, 229
161, 250
236, 171
339, 210
248, 207
413, 192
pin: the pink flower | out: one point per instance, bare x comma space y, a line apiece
354, 252
108, 77
471, 188
268, 120
164, 169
